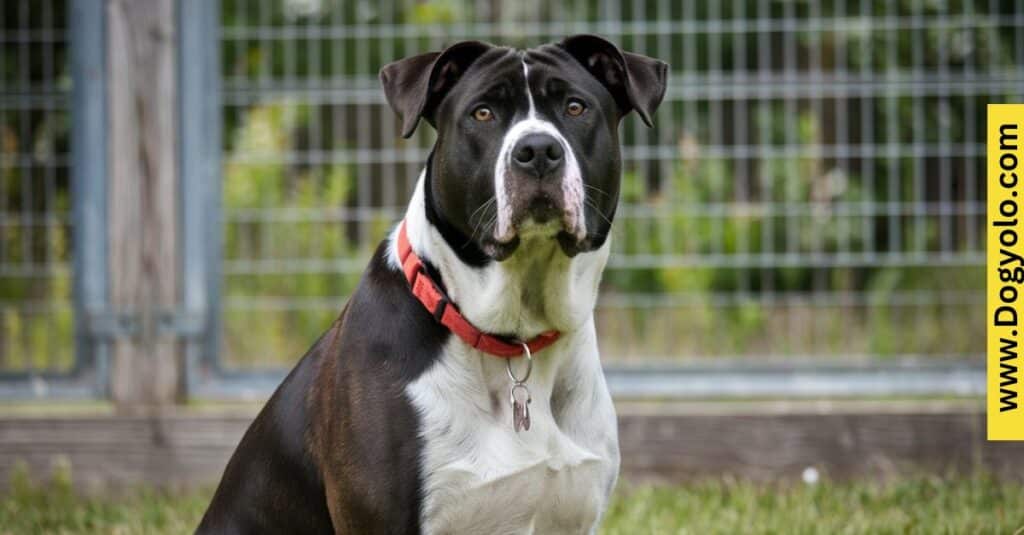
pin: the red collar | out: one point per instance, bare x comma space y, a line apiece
446, 313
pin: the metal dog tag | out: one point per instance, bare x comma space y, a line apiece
520, 397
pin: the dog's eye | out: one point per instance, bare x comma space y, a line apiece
575, 108
483, 114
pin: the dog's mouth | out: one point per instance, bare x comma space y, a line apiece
539, 219
568, 243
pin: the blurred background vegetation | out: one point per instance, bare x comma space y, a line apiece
813, 188
36, 329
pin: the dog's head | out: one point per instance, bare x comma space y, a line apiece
527, 140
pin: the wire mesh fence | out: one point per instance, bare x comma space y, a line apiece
813, 186
35, 229
812, 189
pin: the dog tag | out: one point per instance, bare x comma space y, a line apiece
520, 407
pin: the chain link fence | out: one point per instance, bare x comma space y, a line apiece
813, 187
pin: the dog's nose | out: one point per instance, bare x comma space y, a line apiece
538, 155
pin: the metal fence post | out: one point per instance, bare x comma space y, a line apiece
88, 182
200, 143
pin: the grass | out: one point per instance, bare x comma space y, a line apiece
915, 505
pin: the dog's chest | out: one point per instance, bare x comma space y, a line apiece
480, 476
549, 486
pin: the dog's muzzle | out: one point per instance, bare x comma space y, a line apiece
540, 189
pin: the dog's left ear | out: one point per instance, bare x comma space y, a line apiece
414, 86
637, 82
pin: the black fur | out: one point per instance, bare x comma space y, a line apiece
340, 416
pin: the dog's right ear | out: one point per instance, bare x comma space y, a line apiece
637, 82
414, 86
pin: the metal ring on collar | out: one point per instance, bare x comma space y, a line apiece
529, 365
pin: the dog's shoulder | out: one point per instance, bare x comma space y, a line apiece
384, 340
316, 451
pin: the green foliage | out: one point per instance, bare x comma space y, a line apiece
35, 311
437, 12
793, 211
305, 207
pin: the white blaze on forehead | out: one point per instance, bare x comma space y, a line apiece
572, 180
529, 96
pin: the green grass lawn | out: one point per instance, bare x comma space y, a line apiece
918, 505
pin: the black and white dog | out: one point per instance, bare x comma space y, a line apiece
460, 391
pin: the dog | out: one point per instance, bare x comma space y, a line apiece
460, 390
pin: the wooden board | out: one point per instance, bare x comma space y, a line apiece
663, 443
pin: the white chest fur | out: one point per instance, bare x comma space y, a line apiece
480, 476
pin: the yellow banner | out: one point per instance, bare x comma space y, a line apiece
1005, 267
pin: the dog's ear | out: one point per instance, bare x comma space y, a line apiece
415, 85
637, 82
